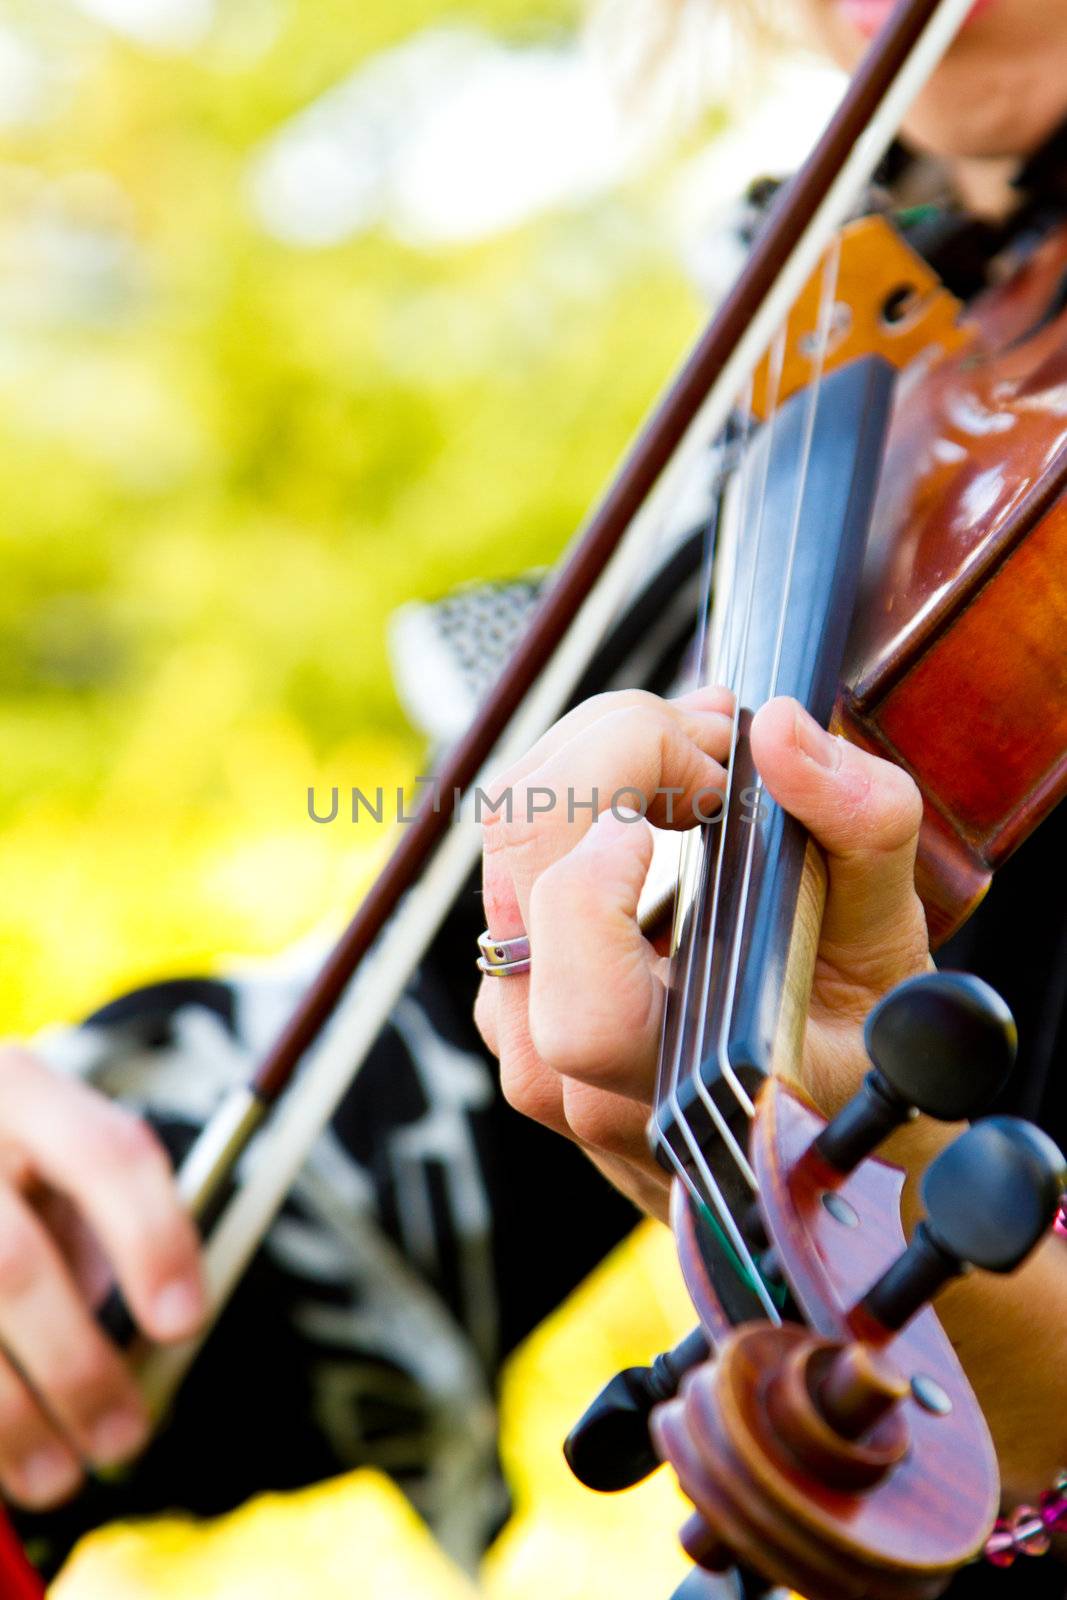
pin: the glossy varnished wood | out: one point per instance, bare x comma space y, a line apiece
830, 1265
957, 664
905, 1534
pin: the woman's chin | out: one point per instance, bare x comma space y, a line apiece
997, 127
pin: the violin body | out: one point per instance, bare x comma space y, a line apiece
957, 664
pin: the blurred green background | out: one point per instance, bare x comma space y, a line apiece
289, 336
306, 309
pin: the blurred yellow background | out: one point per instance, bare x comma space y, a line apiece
285, 343
308, 309
357, 1537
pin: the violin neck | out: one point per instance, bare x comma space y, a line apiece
750, 903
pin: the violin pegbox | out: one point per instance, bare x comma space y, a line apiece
845, 1456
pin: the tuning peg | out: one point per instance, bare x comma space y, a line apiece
609, 1447
943, 1044
989, 1198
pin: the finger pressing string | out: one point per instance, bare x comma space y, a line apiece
701, 702
663, 763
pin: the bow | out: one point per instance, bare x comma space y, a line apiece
432, 861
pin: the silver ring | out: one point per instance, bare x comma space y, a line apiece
503, 958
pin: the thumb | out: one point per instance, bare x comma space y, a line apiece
865, 813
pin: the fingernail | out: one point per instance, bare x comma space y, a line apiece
117, 1436
48, 1475
818, 745
178, 1309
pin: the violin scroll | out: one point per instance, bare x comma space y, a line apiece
821, 1456
847, 1458
942, 1043
781, 1411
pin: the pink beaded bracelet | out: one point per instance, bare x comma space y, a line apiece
1029, 1529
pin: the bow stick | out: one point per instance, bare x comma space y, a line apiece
431, 861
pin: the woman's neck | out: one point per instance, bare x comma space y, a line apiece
985, 186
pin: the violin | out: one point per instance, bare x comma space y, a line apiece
818, 1417
890, 552
892, 557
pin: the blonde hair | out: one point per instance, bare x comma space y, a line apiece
671, 61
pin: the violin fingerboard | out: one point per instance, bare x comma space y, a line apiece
748, 921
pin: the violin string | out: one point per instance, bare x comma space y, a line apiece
722, 1126
713, 1198
707, 569
708, 1191
692, 865
703, 1187
719, 670
735, 677
711, 872
708, 1195
827, 303
713, 1192
667, 1065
